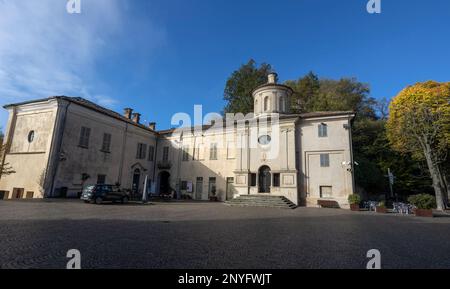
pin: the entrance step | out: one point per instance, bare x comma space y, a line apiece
262, 201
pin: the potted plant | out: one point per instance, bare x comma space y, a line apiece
381, 208
354, 200
424, 204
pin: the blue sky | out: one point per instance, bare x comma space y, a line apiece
162, 57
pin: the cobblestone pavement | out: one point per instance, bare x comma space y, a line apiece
38, 234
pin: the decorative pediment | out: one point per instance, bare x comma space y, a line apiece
139, 166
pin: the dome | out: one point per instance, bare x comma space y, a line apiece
272, 97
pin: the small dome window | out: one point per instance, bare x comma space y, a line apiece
31, 136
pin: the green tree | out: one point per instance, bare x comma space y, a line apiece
419, 123
239, 86
344, 94
372, 151
306, 90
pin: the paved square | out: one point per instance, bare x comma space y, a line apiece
38, 234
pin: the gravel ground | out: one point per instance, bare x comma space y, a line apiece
38, 234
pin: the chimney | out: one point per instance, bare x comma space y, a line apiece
136, 117
272, 78
127, 112
152, 125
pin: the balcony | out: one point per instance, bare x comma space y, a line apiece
164, 165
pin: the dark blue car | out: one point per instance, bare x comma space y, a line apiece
99, 193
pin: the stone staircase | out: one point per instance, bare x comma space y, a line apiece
262, 201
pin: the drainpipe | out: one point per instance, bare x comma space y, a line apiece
351, 155
248, 159
155, 157
180, 151
124, 144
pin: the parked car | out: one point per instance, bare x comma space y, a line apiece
99, 193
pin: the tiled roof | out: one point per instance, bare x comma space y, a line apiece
88, 104
325, 113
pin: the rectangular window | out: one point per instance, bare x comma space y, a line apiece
106, 145
165, 156
324, 160
213, 152
231, 150
101, 179
141, 151
323, 130
326, 191
200, 152
253, 180
184, 185
276, 180
85, 133
186, 153
151, 153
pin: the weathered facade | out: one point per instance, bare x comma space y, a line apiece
60, 144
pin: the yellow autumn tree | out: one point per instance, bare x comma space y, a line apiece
419, 123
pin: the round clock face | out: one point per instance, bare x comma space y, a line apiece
264, 140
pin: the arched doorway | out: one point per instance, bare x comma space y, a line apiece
164, 182
136, 179
264, 179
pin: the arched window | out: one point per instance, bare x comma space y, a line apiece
281, 105
266, 103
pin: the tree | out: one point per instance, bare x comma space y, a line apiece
382, 108
5, 168
239, 86
306, 90
372, 151
419, 123
346, 94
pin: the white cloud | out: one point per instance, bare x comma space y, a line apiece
46, 51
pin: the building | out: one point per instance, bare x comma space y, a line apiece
60, 144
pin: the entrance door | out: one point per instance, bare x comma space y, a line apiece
164, 183
230, 192
199, 188
136, 178
212, 188
264, 179
18, 193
